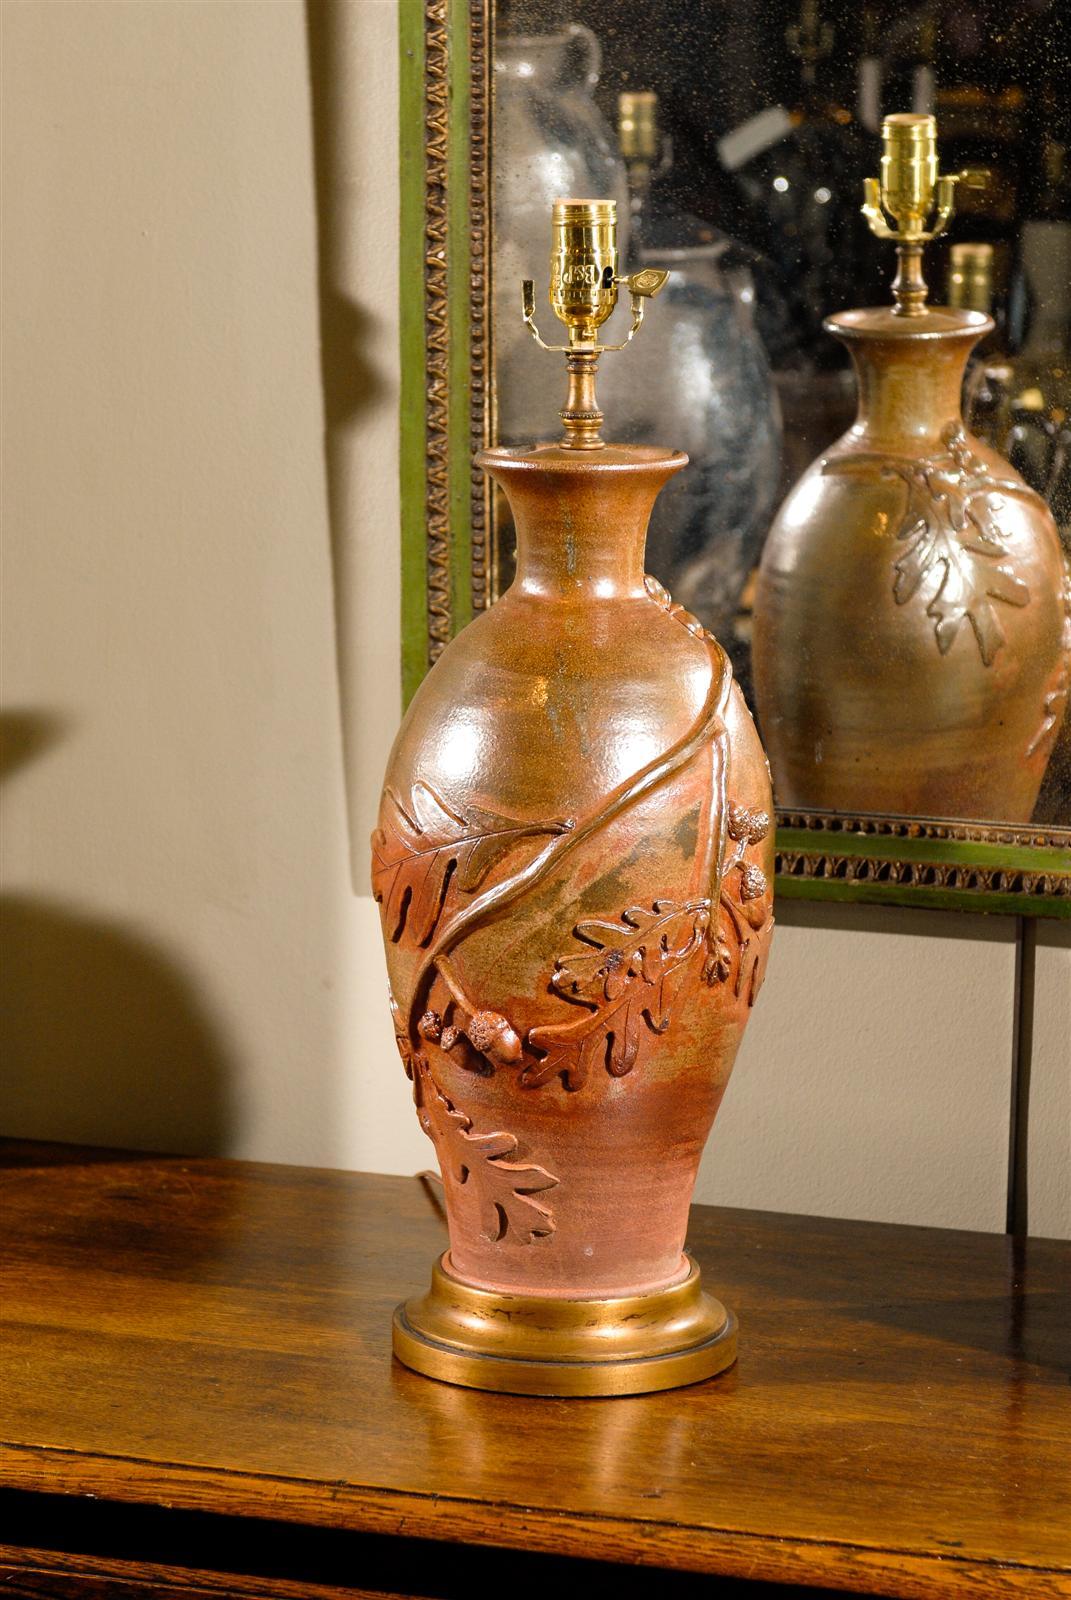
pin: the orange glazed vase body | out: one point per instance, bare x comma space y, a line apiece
909, 647
574, 866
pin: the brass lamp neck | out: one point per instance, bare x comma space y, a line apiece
580, 413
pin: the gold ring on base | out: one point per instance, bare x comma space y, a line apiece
534, 1344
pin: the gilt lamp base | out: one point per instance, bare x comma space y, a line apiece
531, 1344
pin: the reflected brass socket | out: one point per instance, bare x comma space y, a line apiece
637, 125
912, 202
908, 171
970, 278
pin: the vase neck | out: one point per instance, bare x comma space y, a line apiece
581, 524
909, 371
909, 393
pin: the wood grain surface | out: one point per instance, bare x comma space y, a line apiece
213, 1337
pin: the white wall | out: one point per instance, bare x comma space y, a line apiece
189, 748
875, 1077
189, 964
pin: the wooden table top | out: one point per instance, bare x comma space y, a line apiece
212, 1334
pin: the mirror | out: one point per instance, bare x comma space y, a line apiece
735, 139
910, 680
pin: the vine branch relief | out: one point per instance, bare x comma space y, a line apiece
626, 975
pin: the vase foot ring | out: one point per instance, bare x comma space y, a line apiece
529, 1344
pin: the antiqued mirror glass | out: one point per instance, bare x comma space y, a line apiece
735, 138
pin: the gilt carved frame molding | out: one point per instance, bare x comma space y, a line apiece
447, 414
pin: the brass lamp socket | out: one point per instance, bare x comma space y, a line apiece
583, 265
908, 169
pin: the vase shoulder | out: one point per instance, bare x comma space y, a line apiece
551, 700
956, 454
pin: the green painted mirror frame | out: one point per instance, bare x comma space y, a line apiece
447, 413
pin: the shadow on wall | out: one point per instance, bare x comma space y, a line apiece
352, 386
101, 1034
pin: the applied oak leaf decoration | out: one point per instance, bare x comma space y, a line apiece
505, 1190
628, 980
953, 538
744, 906
637, 968
425, 852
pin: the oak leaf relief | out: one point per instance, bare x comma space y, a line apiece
741, 932
953, 540
628, 980
425, 852
635, 969
505, 1190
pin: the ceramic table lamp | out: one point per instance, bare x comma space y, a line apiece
574, 865
908, 635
